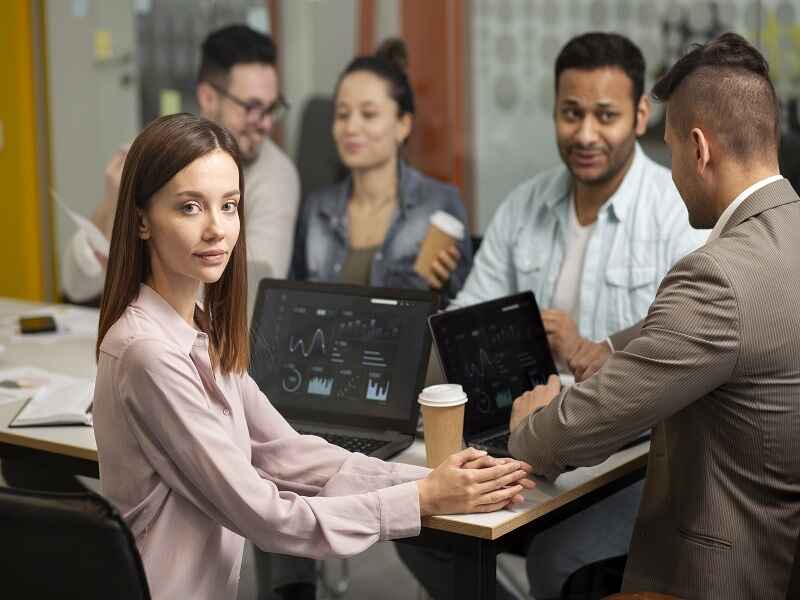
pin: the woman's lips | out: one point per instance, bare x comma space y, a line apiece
212, 257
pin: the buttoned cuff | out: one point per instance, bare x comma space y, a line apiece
399, 508
403, 472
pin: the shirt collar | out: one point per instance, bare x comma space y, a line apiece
619, 201
166, 317
728, 212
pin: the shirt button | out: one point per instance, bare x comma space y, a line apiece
226, 412
337, 267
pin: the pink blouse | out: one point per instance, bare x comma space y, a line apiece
196, 461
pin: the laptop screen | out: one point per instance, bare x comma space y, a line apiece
496, 350
341, 354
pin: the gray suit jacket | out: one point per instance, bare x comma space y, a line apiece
716, 370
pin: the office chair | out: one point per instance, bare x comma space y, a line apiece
794, 579
66, 546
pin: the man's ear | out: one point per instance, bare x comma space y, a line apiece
143, 225
642, 114
701, 148
207, 99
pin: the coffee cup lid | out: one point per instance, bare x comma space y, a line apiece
443, 395
448, 224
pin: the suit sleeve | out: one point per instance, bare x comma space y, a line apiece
688, 346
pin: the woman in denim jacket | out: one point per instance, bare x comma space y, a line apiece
367, 230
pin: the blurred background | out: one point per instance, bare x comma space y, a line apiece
85, 75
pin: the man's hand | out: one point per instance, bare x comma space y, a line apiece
562, 333
538, 397
104, 214
442, 267
587, 358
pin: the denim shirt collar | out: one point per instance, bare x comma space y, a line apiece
408, 196
617, 204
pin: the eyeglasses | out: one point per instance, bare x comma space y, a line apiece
256, 111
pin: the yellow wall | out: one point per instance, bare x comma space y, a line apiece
21, 273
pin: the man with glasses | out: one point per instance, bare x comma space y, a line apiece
238, 88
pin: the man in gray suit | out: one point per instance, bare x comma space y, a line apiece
715, 366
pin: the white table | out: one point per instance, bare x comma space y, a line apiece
471, 537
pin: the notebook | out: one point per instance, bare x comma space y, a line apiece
51, 398
343, 362
496, 350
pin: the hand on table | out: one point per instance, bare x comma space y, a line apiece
538, 397
470, 481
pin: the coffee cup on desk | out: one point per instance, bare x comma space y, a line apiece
444, 231
442, 421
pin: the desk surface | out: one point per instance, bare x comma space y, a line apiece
75, 356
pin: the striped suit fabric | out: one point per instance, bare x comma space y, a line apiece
715, 371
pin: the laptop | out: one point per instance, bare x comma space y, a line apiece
496, 350
343, 362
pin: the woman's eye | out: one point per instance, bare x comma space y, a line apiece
341, 116
230, 206
607, 117
190, 209
370, 115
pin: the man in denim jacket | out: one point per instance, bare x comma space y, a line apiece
592, 238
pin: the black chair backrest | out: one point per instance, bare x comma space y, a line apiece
794, 580
318, 163
66, 546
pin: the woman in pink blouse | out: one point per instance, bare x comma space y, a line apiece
191, 452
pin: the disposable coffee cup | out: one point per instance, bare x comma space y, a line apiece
444, 231
442, 421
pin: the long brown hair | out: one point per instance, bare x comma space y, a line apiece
165, 147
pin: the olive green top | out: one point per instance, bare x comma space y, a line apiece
357, 266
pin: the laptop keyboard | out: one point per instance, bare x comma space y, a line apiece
351, 443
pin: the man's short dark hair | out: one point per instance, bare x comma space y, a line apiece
597, 50
724, 85
233, 45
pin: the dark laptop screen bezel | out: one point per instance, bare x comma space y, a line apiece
474, 422
406, 425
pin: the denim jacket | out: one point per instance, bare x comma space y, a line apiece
641, 231
322, 240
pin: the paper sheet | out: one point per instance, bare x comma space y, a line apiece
20, 383
95, 237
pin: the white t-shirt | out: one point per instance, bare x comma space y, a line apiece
567, 294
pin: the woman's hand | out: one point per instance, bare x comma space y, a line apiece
470, 481
443, 266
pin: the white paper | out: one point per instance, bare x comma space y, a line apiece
62, 402
20, 383
94, 236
